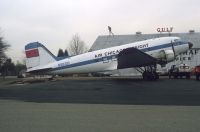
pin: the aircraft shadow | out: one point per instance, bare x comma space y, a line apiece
108, 91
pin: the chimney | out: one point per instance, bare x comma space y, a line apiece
191, 31
138, 33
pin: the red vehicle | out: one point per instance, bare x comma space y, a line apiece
197, 72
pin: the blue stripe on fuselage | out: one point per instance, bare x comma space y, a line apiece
110, 57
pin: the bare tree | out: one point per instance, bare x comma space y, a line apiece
3, 47
77, 46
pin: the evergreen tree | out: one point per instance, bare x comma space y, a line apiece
66, 53
60, 53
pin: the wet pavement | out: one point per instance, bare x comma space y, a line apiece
114, 104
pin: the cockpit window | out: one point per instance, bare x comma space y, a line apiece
176, 40
179, 42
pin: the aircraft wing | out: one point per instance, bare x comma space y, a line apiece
132, 57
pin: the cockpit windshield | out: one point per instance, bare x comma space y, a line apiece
178, 42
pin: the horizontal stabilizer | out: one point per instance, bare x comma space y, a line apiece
40, 71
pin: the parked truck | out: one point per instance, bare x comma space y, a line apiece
180, 71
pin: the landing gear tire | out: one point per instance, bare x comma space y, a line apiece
175, 76
145, 76
170, 76
156, 76
150, 73
150, 76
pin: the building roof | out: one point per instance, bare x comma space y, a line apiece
107, 41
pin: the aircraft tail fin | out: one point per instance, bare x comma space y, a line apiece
38, 55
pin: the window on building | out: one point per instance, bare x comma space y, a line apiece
177, 58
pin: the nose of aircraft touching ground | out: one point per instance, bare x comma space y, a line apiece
190, 45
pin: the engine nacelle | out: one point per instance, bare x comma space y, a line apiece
167, 55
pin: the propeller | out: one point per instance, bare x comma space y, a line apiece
190, 46
173, 50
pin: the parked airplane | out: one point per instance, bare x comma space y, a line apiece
143, 55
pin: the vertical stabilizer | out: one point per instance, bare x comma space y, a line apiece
38, 55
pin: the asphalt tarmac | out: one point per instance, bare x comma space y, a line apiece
104, 104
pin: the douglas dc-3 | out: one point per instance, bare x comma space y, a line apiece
143, 55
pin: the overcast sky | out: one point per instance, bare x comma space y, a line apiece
54, 22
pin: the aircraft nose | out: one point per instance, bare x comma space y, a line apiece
190, 45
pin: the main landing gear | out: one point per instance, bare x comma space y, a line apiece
150, 73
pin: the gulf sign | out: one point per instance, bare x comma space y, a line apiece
168, 29
32, 53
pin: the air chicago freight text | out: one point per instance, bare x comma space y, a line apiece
115, 52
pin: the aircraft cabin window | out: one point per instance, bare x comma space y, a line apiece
105, 60
98, 59
114, 58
